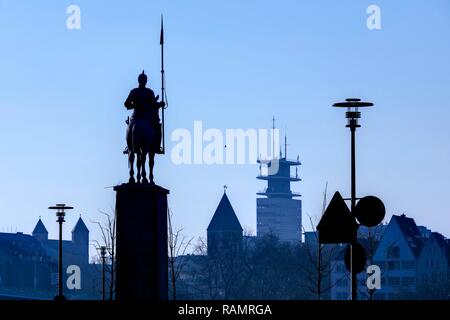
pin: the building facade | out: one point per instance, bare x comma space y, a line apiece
29, 263
414, 264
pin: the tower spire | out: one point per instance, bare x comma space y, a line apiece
285, 145
273, 137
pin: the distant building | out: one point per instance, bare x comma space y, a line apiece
340, 281
433, 268
277, 211
75, 251
24, 264
397, 255
29, 263
196, 273
369, 238
414, 264
224, 232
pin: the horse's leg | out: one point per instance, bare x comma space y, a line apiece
131, 165
139, 166
151, 161
144, 174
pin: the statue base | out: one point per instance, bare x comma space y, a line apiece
141, 244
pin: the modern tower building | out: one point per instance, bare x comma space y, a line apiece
279, 212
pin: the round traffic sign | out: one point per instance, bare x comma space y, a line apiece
370, 211
359, 257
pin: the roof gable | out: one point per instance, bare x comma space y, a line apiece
403, 232
411, 233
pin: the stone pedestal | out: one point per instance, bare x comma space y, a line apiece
141, 224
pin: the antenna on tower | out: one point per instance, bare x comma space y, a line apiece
285, 145
273, 137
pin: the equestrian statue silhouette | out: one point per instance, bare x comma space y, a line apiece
144, 130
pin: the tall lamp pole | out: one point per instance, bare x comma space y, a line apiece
353, 114
103, 255
60, 214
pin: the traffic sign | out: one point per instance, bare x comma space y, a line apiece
370, 211
337, 224
359, 257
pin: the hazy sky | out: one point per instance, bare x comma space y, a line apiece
230, 64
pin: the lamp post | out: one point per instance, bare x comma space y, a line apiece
353, 114
103, 255
60, 214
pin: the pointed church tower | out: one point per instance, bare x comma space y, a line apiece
39, 231
224, 231
80, 238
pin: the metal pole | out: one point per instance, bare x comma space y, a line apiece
353, 115
60, 214
103, 279
60, 266
103, 276
353, 204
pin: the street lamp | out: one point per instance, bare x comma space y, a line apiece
353, 114
60, 214
103, 255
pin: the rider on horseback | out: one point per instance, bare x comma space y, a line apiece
146, 107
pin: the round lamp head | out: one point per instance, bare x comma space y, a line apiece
60, 207
353, 103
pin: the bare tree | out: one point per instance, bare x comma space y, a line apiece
320, 267
320, 257
108, 240
178, 244
264, 268
207, 277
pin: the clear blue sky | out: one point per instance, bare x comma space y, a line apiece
231, 64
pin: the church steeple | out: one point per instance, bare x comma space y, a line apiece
39, 231
224, 218
224, 231
80, 227
80, 238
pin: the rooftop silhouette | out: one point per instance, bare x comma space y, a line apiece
224, 218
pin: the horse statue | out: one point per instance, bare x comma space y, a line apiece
144, 130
